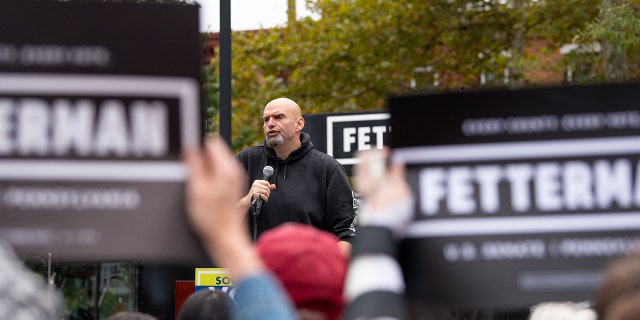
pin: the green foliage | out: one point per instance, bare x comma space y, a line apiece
360, 51
77, 294
210, 94
86, 290
616, 30
619, 25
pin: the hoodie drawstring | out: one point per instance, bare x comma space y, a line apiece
285, 171
275, 173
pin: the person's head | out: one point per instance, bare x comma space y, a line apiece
310, 266
618, 297
282, 123
131, 315
562, 310
207, 305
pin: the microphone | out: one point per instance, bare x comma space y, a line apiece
267, 171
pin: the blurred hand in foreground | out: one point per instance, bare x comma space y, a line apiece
387, 197
215, 183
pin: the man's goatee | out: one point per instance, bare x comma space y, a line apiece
275, 141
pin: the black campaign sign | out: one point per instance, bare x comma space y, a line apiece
341, 135
97, 101
522, 195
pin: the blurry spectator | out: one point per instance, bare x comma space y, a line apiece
561, 311
310, 265
215, 182
207, 305
23, 294
131, 315
618, 297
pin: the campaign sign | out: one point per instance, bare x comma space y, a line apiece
215, 279
522, 195
97, 102
341, 135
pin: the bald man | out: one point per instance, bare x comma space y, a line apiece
307, 186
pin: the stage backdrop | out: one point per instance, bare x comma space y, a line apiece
97, 100
523, 195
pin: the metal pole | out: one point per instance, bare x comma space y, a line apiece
50, 281
225, 70
96, 294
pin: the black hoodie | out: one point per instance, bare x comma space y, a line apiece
311, 188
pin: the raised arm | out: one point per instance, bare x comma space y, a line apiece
214, 186
386, 211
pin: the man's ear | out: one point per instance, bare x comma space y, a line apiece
300, 123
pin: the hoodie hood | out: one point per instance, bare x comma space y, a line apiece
305, 147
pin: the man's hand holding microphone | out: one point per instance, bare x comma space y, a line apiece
260, 191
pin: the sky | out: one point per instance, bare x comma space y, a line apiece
247, 14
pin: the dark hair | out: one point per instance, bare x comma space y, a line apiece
207, 305
131, 315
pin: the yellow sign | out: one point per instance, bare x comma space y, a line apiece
213, 277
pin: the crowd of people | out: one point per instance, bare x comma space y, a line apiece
301, 256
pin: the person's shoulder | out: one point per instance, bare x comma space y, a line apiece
258, 147
249, 155
248, 151
322, 156
323, 160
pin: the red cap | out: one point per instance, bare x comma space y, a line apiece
309, 264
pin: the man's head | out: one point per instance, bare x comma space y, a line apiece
310, 265
282, 123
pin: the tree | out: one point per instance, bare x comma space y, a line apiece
617, 30
360, 51
348, 60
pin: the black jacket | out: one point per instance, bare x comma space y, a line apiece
311, 188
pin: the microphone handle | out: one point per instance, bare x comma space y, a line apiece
260, 201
